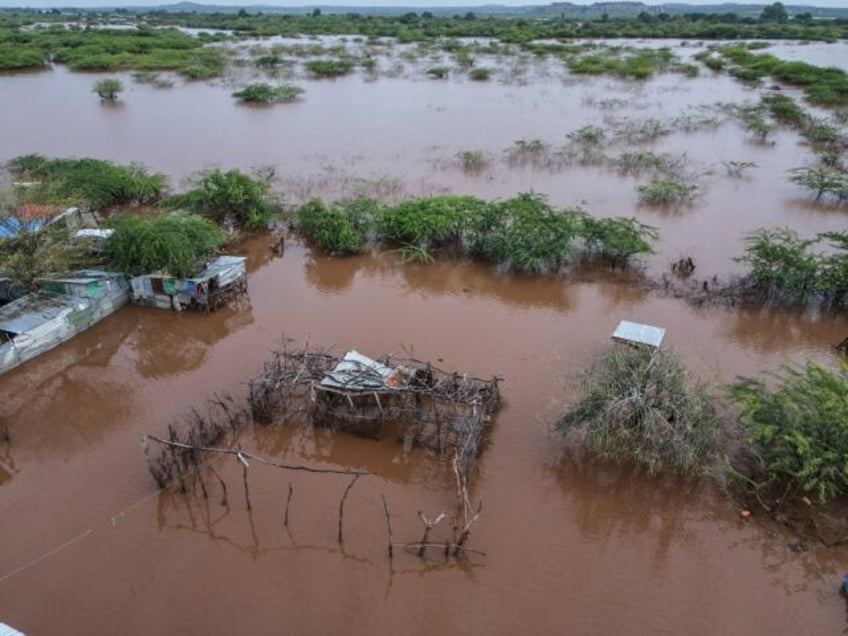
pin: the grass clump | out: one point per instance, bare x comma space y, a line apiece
88, 182
177, 244
795, 435
639, 406
267, 94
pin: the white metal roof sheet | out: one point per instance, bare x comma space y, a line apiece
636, 333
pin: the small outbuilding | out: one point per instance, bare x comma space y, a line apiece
223, 280
40, 321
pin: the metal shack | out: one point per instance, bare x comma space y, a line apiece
224, 279
37, 322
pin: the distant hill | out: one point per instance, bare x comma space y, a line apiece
556, 9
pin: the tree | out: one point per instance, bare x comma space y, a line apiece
108, 88
774, 13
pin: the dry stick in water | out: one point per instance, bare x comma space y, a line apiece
224, 501
388, 524
342, 503
288, 501
428, 525
244, 466
245, 456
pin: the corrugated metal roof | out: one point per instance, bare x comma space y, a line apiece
34, 310
357, 372
11, 226
636, 333
7, 630
85, 276
219, 265
97, 234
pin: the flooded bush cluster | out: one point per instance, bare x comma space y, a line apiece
525, 233
638, 406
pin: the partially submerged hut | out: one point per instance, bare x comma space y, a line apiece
39, 321
223, 280
439, 410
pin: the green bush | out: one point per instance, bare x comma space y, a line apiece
265, 93
177, 244
824, 181
787, 269
526, 234
334, 228
616, 240
795, 435
108, 88
480, 74
429, 222
784, 109
87, 182
233, 195
639, 406
438, 72
666, 192
329, 68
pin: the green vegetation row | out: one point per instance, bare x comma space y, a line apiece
156, 45
639, 407
412, 26
225, 197
827, 86
143, 48
525, 233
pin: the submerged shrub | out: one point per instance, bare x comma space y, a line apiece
480, 74
526, 234
265, 93
438, 72
334, 228
107, 89
786, 269
823, 181
177, 244
329, 68
87, 182
795, 435
666, 192
429, 222
233, 195
616, 240
639, 406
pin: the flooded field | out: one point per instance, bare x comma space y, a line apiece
89, 546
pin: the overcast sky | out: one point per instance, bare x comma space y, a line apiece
375, 3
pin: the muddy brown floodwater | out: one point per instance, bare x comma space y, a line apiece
89, 546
